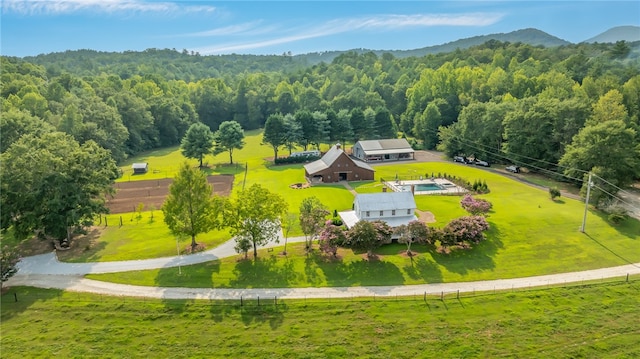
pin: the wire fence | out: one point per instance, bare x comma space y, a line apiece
17, 296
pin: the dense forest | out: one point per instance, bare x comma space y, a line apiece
565, 110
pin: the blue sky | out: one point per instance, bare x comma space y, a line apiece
32, 27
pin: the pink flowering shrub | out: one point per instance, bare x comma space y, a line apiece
465, 229
331, 237
475, 206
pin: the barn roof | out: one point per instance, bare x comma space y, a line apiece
139, 165
329, 158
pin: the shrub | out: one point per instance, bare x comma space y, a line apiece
554, 193
616, 214
299, 159
465, 229
475, 206
331, 237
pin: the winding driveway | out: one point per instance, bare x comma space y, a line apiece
45, 271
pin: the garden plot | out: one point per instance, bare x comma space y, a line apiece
151, 193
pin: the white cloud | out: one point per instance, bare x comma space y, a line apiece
243, 29
339, 26
56, 7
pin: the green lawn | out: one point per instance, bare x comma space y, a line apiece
589, 321
139, 237
530, 234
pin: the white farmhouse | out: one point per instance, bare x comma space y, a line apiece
395, 208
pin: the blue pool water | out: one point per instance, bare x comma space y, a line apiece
422, 187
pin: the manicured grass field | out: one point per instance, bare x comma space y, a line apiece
139, 237
530, 235
589, 321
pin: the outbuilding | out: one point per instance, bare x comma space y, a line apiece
140, 168
336, 166
395, 149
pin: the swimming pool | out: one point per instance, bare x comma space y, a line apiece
422, 187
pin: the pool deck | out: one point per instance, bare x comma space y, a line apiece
449, 187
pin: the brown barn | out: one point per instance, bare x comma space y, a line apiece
337, 166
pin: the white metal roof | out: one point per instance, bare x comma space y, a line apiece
394, 145
385, 201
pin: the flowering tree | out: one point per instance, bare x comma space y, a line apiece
331, 237
312, 215
368, 235
467, 229
475, 206
414, 232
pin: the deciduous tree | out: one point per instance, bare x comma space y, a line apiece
413, 232
254, 217
197, 142
274, 133
53, 184
368, 236
312, 216
229, 137
190, 209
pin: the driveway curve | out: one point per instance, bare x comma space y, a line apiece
45, 271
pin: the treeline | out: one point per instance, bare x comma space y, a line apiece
498, 101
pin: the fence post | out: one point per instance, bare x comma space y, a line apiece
105, 222
425, 296
241, 301
120, 221
15, 296
458, 295
275, 301
627, 277
258, 301
442, 296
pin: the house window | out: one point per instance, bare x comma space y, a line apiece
409, 211
393, 212
381, 213
368, 214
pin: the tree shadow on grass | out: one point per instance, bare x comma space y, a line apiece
266, 312
371, 272
477, 258
198, 275
264, 273
26, 297
629, 228
423, 269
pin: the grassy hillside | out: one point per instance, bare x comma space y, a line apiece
591, 321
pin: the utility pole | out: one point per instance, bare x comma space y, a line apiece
586, 204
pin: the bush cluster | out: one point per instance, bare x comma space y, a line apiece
475, 206
299, 159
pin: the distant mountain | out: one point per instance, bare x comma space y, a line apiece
533, 37
626, 33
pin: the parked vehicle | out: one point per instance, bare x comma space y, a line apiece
513, 169
459, 159
482, 163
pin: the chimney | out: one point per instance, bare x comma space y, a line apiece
338, 146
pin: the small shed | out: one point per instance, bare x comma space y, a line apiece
140, 168
337, 166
